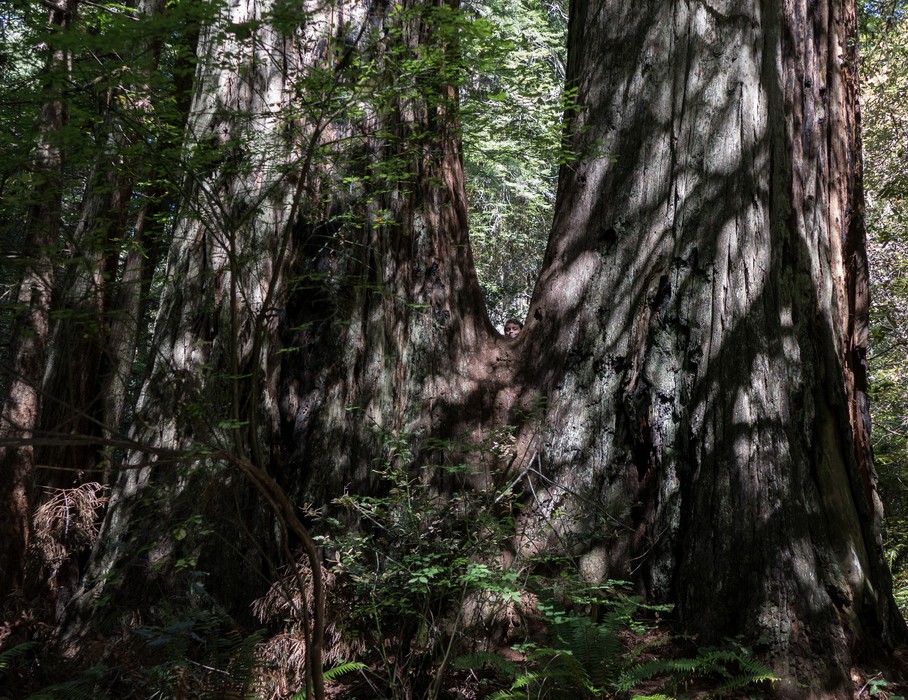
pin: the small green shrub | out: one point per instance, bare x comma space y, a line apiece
409, 561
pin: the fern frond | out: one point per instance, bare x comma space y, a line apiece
658, 667
526, 680
643, 647
736, 666
735, 669
7, 656
339, 670
597, 649
744, 680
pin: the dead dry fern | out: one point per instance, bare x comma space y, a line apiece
283, 654
66, 523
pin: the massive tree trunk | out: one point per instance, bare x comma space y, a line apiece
697, 333
300, 313
704, 295
249, 343
231, 223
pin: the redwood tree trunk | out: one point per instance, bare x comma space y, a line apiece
697, 331
705, 289
73, 405
250, 360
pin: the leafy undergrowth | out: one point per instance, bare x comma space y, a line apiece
422, 604
577, 654
584, 659
878, 685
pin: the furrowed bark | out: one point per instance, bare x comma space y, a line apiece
99, 304
30, 331
705, 288
696, 338
259, 276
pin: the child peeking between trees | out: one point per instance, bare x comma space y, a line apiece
512, 327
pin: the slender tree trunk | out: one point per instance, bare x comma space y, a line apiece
127, 313
100, 301
73, 405
29, 336
705, 294
99, 307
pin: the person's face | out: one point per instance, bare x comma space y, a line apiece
512, 330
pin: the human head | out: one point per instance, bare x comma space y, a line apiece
512, 327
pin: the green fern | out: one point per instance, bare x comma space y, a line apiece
523, 683
563, 672
586, 659
10, 654
342, 668
638, 673
596, 648
332, 674
734, 667
560, 675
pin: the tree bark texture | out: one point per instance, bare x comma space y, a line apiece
112, 255
704, 299
232, 214
30, 330
99, 304
73, 405
274, 313
696, 337
408, 358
